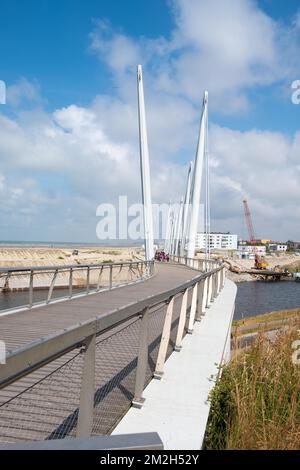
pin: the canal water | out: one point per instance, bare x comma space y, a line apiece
21, 298
257, 297
253, 298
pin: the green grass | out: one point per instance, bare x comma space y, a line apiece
266, 318
256, 402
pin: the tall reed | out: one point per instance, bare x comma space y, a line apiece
256, 402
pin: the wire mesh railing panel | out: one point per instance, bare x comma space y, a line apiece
174, 325
45, 404
156, 323
115, 372
188, 311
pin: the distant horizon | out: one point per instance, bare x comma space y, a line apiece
41, 242
119, 243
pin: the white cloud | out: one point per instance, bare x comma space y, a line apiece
77, 157
261, 166
23, 92
120, 51
227, 47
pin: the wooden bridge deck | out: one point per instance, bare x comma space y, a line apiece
20, 328
44, 404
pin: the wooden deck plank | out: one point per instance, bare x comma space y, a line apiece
20, 328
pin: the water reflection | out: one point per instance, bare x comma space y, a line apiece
254, 298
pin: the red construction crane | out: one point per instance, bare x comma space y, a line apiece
248, 219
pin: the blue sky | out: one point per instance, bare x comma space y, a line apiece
68, 134
48, 41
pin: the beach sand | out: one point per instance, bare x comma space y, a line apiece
47, 256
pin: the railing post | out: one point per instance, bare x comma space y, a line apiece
99, 278
31, 289
86, 406
216, 284
209, 291
110, 276
139, 269
164, 342
219, 281
223, 276
71, 283
193, 310
6, 283
51, 286
182, 319
200, 290
204, 298
88, 280
213, 288
142, 362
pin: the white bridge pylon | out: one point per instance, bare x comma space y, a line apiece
187, 217
186, 210
197, 181
182, 223
145, 170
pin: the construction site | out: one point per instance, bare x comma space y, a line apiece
261, 259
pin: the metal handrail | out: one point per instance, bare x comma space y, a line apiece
4, 269
190, 261
144, 269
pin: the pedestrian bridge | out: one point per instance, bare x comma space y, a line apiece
86, 365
